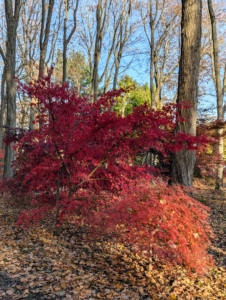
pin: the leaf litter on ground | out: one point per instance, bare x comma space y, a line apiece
35, 264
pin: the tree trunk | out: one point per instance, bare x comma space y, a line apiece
2, 113
152, 45
182, 166
97, 50
218, 87
66, 40
12, 18
44, 34
124, 33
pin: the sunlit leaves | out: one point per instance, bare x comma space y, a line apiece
80, 164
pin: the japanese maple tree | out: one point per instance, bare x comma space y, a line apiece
80, 164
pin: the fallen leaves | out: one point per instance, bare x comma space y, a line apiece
36, 265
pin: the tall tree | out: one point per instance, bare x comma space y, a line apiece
67, 38
152, 44
46, 16
107, 34
28, 52
124, 29
47, 11
3, 105
161, 24
102, 17
12, 13
219, 92
183, 161
2, 55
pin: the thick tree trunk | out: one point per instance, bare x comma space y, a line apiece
183, 161
12, 18
219, 92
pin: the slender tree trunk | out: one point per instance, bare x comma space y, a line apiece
97, 50
219, 92
66, 40
43, 44
182, 166
2, 113
44, 34
102, 18
123, 36
117, 65
31, 118
12, 19
64, 77
152, 45
157, 97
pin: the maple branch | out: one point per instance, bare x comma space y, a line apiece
75, 188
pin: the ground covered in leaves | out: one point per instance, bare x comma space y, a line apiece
34, 264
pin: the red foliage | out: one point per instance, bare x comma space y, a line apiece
159, 220
80, 164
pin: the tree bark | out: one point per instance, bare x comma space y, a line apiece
219, 92
44, 34
182, 165
12, 18
66, 40
124, 34
102, 19
152, 47
2, 113
98, 46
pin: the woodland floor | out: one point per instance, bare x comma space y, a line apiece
34, 264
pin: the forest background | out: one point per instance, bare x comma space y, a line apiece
119, 43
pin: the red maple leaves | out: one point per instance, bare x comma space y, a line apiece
82, 162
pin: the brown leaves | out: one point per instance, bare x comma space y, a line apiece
36, 265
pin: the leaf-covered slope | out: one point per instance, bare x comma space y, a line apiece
36, 265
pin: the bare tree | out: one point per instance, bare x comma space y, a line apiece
27, 39
3, 104
46, 16
184, 160
28, 52
12, 13
66, 39
47, 11
124, 33
2, 55
102, 17
107, 33
152, 45
161, 26
219, 92
120, 42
